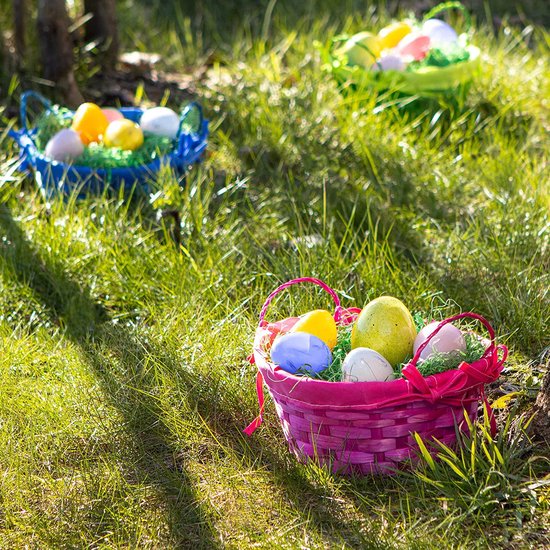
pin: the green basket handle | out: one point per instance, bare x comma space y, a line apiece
345, 38
445, 6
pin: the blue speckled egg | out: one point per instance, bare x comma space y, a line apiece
298, 352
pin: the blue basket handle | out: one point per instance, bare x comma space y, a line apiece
26, 145
23, 109
187, 140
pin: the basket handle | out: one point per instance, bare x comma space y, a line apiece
25, 97
445, 6
336, 40
187, 139
482, 376
318, 282
490, 349
345, 38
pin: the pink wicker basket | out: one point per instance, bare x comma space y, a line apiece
368, 427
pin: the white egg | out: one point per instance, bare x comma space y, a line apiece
389, 62
366, 365
160, 121
447, 340
439, 32
64, 146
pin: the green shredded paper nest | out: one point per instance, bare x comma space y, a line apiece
441, 57
96, 155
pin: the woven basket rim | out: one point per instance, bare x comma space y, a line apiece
451, 385
198, 139
284, 375
474, 51
118, 170
409, 81
272, 385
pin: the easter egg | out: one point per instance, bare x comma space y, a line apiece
320, 323
123, 134
448, 339
112, 114
366, 365
361, 49
439, 32
391, 35
64, 146
160, 121
90, 122
389, 62
386, 326
414, 45
300, 351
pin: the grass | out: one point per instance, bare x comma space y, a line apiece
125, 383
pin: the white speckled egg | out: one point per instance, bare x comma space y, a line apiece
448, 339
64, 146
160, 121
439, 32
366, 365
389, 62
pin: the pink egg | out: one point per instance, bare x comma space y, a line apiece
112, 114
448, 339
415, 45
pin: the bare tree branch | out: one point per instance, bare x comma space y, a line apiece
56, 48
19, 19
103, 29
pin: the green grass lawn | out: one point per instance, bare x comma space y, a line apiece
123, 372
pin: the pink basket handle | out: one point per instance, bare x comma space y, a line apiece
318, 282
490, 349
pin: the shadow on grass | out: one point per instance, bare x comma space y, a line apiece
227, 16
130, 387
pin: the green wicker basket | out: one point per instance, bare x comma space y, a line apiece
422, 81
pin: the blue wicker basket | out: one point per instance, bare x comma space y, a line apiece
61, 178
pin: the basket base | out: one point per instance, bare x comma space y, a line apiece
374, 442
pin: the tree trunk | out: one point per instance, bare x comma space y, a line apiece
102, 28
542, 407
19, 18
56, 49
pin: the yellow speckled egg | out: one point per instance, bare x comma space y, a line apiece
320, 323
90, 122
391, 35
386, 326
123, 134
